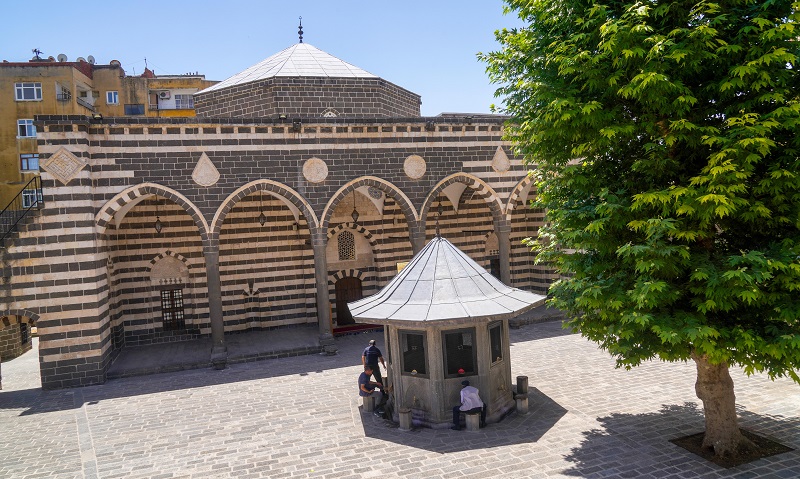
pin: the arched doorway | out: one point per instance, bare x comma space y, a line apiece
348, 289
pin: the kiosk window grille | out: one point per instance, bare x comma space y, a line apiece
459, 352
23, 333
496, 341
172, 309
347, 246
413, 349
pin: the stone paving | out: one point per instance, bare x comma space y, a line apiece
299, 417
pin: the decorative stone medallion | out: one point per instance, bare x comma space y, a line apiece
500, 162
205, 173
415, 167
375, 192
315, 170
63, 165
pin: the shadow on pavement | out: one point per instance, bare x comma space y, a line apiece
633, 445
543, 414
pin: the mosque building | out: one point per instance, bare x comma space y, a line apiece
303, 183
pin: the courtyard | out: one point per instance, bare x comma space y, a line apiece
300, 417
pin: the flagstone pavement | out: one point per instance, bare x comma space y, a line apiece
300, 417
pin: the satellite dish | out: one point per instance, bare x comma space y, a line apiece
91, 59
81, 59
115, 63
62, 57
51, 58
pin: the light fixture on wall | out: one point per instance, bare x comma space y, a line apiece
158, 224
354, 214
262, 218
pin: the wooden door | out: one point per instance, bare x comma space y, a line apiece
347, 290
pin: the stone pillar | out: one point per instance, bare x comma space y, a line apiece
504, 247
318, 244
417, 233
219, 353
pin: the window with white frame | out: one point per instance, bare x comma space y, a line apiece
29, 162
185, 102
112, 98
28, 91
31, 197
26, 129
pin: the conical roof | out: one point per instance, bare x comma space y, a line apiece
442, 283
300, 60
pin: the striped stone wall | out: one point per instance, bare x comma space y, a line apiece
92, 266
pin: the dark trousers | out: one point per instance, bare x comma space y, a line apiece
376, 373
457, 414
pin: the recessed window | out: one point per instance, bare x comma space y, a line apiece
112, 98
413, 350
172, 309
496, 341
31, 198
28, 91
134, 109
23, 334
184, 102
29, 162
26, 129
347, 246
459, 353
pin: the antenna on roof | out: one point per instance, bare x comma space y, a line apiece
300, 30
36, 51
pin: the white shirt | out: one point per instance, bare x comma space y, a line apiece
470, 398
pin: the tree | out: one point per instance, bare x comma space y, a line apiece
666, 142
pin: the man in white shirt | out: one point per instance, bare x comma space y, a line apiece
470, 403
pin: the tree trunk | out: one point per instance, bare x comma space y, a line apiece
714, 387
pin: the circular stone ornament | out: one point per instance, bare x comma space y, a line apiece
415, 167
315, 170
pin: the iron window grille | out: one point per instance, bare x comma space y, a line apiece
459, 352
347, 246
172, 313
414, 359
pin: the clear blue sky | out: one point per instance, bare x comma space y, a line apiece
427, 47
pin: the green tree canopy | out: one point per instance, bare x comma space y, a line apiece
665, 137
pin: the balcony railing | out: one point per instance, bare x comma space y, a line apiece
64, 96
84, 103
30, 198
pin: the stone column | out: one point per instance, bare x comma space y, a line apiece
417, 233
219, 353
318, 244
504, 247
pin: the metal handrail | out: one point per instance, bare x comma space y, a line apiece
14, 211
84, 103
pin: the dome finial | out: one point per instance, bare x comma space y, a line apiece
300, 30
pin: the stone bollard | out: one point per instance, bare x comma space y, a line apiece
405, 419
522, 403
369, 403
473, 421
522, 385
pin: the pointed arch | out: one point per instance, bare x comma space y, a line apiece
365, 232
278, 190
129, 197
24, 315
482, 189
386, 187
523, 185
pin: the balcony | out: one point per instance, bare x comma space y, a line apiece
85, 104
64, 96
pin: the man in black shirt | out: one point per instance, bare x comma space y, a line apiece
371, 357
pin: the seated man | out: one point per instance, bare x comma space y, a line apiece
367, 387
470, 403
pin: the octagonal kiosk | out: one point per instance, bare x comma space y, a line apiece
445, 319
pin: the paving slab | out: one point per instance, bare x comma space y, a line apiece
300, 417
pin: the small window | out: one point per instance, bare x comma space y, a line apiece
134, 109
31, 198
172, 309
112, 98
29, 162
413, 351
347, 246
23, 334
459, 353
26, 129
496, 341
28, 91
184, 102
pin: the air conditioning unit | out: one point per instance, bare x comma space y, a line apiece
164, 95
